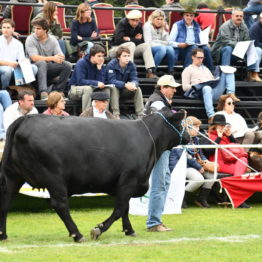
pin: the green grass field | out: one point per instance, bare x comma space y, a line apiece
214, 235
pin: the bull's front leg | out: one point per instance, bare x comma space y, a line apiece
61, 206
120, 210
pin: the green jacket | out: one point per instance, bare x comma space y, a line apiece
55, 29
227, 37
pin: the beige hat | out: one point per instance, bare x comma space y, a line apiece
167, 80
134, 14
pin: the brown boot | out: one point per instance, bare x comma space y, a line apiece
235, 99
210, 120
256, 76
150, 74
250, 76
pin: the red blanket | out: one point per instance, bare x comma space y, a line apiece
240, 188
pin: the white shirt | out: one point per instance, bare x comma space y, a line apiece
12, 51
238, 124
98, 114
158, 105
13, 112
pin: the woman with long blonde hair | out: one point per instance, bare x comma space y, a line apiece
83, 27
156, 34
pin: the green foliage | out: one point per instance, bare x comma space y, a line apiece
211, 3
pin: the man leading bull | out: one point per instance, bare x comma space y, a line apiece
160, 175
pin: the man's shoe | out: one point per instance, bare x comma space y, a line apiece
44, 95
159, 228
210, 120
235, 99
151, 75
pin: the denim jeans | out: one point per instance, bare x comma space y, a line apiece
227, 58
185, 54
5, 101
160, 180
226, 83
6, 73
159, 52
248, 11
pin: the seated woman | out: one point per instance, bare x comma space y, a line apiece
49, 12
156, 34
239, 128
194, 170
221, 133
56, 104
83, 27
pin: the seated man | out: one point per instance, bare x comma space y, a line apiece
100, 101
197, 73
24, 106
121, 72
230, 33
184, 37
44, 50
129, 33
89, 73
11, 52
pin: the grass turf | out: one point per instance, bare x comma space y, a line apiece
217, 234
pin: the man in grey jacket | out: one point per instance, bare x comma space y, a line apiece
231, 32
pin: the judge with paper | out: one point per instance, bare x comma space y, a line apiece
198, 82
186, 35
11, 54
233, 43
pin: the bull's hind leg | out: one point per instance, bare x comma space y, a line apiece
8, 189
120, 210
60, 204
127, 227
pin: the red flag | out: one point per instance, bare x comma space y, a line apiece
240, 188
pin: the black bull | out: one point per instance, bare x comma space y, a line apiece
72, 155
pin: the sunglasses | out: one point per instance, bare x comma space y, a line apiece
231, 103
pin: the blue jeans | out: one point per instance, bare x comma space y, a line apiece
226, 83
227, 58
160, 51
6, 73
61, 43
248, 11
160, 180
185, 54
5, 101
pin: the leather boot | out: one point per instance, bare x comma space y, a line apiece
256, 76
233, 96
250, 76
151, 73
201, 199
184, 204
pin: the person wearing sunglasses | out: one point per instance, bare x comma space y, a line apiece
197, 76
239, 128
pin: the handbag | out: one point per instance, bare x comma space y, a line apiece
207, 165
255, 160
236, 151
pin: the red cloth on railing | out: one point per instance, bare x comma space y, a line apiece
240, 188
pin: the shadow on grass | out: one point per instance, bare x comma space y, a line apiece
34, 204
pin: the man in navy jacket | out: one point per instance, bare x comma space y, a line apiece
89, 73
121, 72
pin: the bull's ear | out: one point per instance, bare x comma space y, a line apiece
181, 114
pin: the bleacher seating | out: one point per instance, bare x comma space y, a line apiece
250, 94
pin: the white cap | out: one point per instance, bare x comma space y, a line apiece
134, 14
167, 80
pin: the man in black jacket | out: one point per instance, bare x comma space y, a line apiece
129, 33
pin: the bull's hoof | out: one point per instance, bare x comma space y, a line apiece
95, 233
78, 238
131, 234
3, 236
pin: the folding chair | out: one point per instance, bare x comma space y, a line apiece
61, 18
174, 17
21, 15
